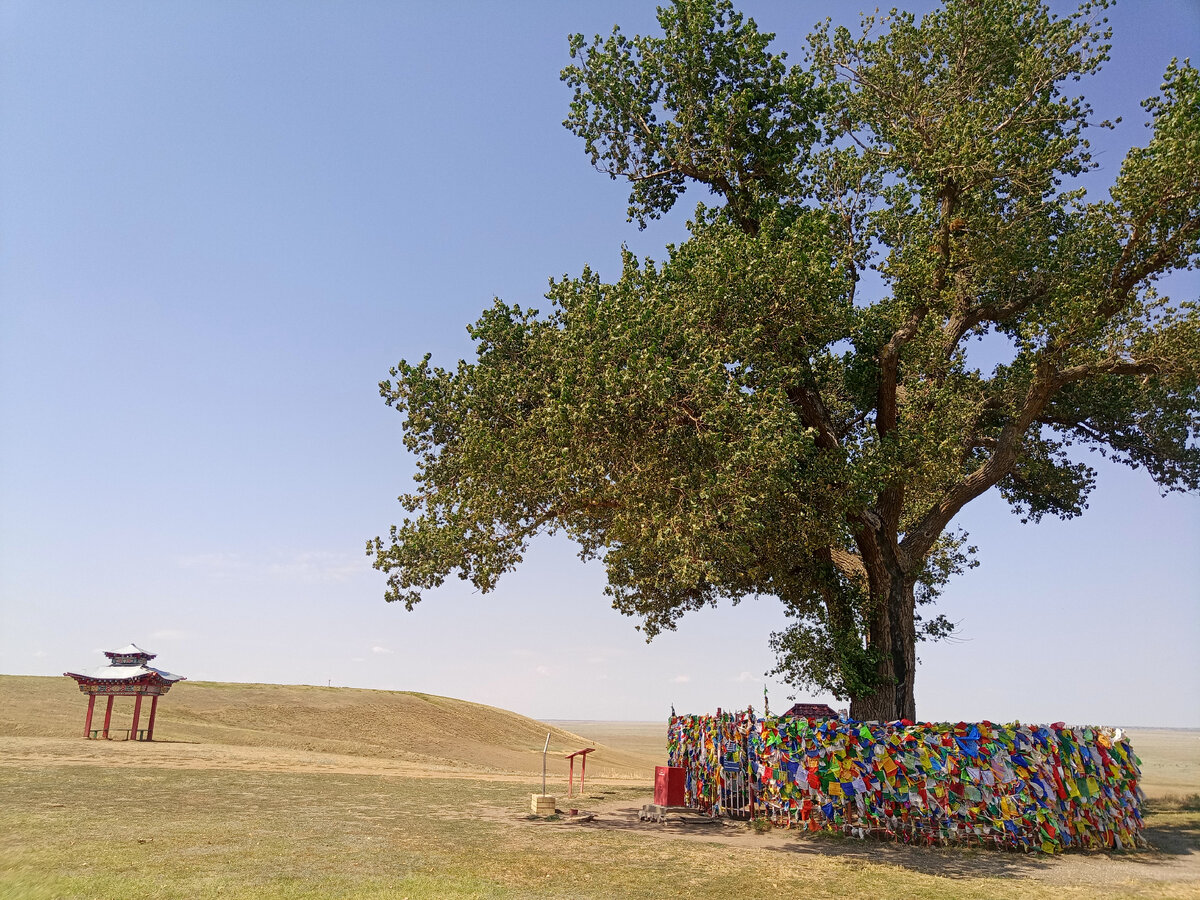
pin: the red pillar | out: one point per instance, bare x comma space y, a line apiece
582, 774
153, 710
108, 716
137, 714
87, 726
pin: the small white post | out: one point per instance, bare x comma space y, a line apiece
540, 804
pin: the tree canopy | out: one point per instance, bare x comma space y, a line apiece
742, 418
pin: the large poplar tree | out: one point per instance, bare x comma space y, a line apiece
760, 414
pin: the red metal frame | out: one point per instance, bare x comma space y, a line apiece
582, 770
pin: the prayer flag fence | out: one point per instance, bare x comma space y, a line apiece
1017, 787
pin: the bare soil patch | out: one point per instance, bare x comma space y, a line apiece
1175, 856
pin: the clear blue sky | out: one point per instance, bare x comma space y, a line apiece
221, 223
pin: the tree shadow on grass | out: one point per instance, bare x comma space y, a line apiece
944, 862
1170, 842
1174, 838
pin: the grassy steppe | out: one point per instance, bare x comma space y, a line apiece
430, 732
83, 819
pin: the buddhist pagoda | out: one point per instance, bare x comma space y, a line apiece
126, 673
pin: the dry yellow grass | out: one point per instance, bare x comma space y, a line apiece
257, 792
408, 729
75, 832
646, 738
1170, 760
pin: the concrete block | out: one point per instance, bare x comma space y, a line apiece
541, 805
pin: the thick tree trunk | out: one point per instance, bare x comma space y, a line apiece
892, 635
904, 648
879, 704
876, 707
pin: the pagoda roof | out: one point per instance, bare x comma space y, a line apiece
130, 650
123, 673
810, 711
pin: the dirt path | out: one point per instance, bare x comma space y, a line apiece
48, 751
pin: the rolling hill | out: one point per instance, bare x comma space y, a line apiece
440, 734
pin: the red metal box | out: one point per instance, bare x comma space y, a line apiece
668, 786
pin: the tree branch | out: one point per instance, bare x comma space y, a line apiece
1168, 249
814, 414
849, 564
1046, 383
1147, 366
960, 324
920, 539
652, 175
564, 509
